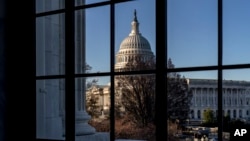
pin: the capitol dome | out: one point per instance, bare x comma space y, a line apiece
134, 47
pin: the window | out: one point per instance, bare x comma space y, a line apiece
240, 113
185, 35
228, 113
82, 49
78, 53
234, 113
192, 114
199, 114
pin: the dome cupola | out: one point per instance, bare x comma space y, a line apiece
133, 47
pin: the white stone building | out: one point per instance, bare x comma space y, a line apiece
100, 93
236, 98
135, 47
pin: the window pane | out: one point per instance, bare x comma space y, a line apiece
134, 35
236, 100
49, 5
192, 32
92, 108
236, 31
93, 40
50, 45
192, 105
134, 107
82, 2
50, 107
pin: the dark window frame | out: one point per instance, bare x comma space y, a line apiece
161, 70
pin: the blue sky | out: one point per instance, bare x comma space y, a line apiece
192, 33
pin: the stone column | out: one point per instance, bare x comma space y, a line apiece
50, 62
82, 117
226, 97
238, 91
231, 112
195, 113
202, 98
207, 96
198, 96
243, 112
195, 97
213, 97
231, 97
48, 47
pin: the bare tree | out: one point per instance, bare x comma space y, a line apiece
138, 97
138, 94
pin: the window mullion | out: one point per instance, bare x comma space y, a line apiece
69, 70
112, 62
161, 97
220, 75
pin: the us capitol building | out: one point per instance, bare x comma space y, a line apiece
236, 94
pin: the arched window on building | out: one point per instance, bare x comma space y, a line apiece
240, 113
199, 114
234, 114
192, 114
228, 113
247, 112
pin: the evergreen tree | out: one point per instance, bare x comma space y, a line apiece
208, 116
92, 106
178, 95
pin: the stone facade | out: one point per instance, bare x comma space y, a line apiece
236, 98
101, 93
